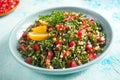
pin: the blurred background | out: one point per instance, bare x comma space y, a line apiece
106, 69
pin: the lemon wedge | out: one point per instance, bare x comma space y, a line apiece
43, 22
38, 36
40, 29
39, 33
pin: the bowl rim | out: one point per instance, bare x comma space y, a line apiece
67, 70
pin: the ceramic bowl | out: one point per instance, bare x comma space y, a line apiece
23, 24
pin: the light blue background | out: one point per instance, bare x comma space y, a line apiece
106, 69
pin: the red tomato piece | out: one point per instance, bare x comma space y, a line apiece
72, 43
36, 47
29, 60
58, 42
50, 54
92, 56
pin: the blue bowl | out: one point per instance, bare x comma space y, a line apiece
23, 24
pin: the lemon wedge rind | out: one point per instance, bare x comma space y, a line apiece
38, 36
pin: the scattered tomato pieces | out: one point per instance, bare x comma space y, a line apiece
62, 40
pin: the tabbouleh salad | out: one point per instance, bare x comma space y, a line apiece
62, 40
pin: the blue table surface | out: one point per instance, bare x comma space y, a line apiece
106, 69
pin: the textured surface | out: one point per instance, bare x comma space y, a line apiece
106, 69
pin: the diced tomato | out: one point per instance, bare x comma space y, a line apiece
92, 22
50, 54
67, 18
67, 53
36, 47
101, 39
58, 42
88, 46
84, 21
81, 32
22, 47
73, 64
72, 43
83, 27
69, 63
29, 60
24, 35
74, 16
92, 56
60, 27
